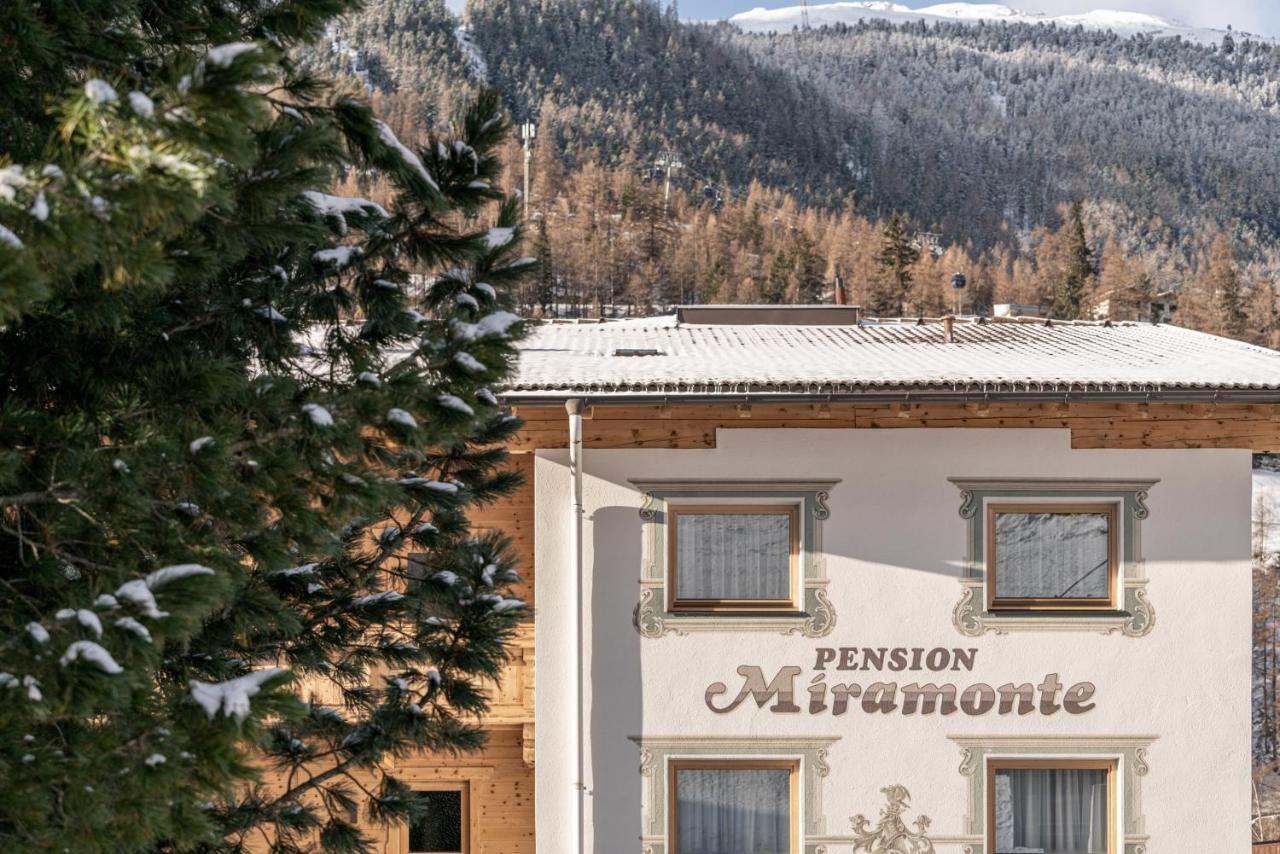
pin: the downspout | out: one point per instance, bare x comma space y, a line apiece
574, 408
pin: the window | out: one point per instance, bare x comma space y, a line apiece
444, 827
738, 806
1058, 556
1050, 806
1054, 554
733, 555
742, 557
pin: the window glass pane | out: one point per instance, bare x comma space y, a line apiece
1051, 811
733, 810
1052, 556
733, 556
440, 829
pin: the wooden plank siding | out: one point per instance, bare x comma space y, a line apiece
1092, 425
500, 787
498, 783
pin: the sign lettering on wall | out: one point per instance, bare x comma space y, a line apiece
936, 695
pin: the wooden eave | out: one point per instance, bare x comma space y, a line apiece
1164, 425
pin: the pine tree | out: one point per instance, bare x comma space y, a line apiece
1068, 296
225, 429
896, 258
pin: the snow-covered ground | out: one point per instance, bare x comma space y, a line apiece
1120, 22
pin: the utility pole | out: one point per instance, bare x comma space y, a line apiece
668, 163
528, 132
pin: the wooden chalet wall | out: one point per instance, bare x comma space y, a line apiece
1092, 425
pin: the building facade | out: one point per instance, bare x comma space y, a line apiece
928, 586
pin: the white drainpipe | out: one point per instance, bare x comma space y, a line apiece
574, 408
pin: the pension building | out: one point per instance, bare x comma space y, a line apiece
809, 583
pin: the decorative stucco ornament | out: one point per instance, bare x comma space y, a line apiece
891, 835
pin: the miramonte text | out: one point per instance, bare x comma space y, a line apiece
779, 693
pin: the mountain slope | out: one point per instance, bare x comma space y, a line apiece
979, 132
629, 82
979, 128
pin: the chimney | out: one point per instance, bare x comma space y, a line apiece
948, 329
839, 291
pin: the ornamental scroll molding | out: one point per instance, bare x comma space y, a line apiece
890, 835
650, 615
1136, 618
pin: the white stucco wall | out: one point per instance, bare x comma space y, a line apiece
895, 544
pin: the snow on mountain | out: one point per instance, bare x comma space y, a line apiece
782, 19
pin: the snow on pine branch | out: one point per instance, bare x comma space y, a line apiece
389, 139
139, 591
327, 204
491, 325
339, 206
84, 617
141, 104
224, 54
457, 404
231, 698
404, 419
378, 598
318, 414
8, 237
305, 569
338, 256
496, 238
92, 653
163, 576
100, 91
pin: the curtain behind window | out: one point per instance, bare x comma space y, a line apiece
733, 810
733, 556
1051, 810
1052, 555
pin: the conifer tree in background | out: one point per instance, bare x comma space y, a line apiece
896, 258
544, 286
1069, 291
1224, 283
224, 424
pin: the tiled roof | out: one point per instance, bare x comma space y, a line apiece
895, 357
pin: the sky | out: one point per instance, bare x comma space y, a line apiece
1254, 16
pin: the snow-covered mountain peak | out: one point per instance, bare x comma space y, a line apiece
1120, 22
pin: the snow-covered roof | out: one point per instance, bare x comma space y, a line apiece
660, 357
